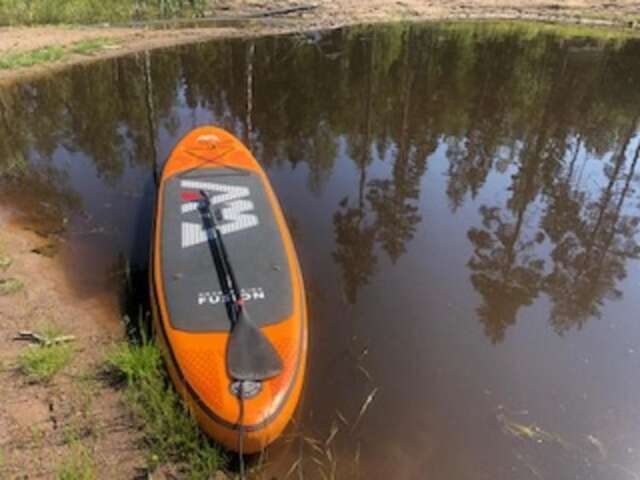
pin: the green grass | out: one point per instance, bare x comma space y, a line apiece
40, 363
39, 12
47, 55
473, 30
33, 57
37, 435
5, 260
530, 29
79, 466
91, 46
9, 286
172, 433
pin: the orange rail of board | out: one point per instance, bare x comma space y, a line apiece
196, 361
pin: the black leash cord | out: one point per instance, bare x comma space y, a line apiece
241, 432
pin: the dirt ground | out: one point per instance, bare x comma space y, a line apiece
42, 424
253, 17
36, 421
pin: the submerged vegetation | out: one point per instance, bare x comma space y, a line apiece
38, 12
15, 166
172, 433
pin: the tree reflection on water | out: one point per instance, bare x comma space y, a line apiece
529, 110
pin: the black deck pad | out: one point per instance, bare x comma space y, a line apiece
253, 242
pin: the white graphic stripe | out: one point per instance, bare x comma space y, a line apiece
192, 234
234, 213
230, 192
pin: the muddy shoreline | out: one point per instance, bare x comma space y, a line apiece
53, 419
247, 19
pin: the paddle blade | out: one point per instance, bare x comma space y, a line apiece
250, 354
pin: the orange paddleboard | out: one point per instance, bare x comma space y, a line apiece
191, 299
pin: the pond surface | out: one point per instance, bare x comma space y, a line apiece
464, 201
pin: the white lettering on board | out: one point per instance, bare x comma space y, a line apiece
214, 298
235, 213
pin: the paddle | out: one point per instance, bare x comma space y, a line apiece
250, 354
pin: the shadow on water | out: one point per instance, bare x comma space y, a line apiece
132, 270
465, 203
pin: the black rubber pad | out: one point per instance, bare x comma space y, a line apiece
251, 237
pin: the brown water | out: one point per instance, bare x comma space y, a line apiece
464, 202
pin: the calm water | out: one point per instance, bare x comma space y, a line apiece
465, 206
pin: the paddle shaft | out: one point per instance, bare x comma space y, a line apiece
221, 259
250, 354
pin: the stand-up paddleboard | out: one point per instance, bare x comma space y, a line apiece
227, 291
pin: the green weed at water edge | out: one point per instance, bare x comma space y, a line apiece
172, 433
91, 46
30, 58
